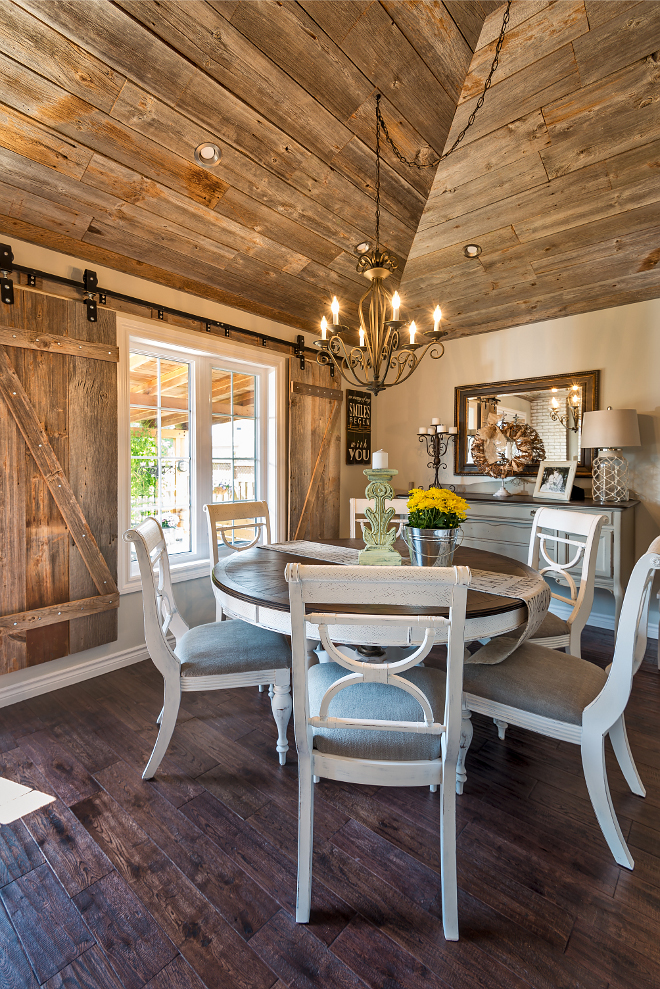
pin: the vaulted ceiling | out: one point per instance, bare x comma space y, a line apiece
102, 105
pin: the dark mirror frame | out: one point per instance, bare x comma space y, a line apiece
589, 384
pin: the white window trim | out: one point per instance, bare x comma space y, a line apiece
271, 367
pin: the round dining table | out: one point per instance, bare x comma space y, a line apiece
250, 584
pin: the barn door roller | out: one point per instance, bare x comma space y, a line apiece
6, 268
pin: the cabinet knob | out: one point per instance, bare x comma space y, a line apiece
533, 512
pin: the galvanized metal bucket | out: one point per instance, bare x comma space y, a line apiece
432, 547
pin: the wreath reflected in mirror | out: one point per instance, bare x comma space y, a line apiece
503, 449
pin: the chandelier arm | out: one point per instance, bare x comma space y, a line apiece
470, 121
326, 358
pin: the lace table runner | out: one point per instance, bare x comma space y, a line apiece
532, 590
317, 551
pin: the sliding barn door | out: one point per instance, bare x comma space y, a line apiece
58, 483
314, 452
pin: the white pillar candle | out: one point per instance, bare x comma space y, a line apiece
453, 430
435, 422
422, 429
379, 460
431, 429
442, 428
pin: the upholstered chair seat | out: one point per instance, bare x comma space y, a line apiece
538, 680
551, 626
231, 647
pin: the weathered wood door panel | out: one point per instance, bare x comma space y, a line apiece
74, 400
314, 452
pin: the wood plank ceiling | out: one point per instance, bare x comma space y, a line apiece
102, 105
558, 178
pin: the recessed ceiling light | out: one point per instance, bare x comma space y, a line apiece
472, 250
363, 247
207, 154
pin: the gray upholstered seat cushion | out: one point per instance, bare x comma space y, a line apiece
539, 680
551, 626
231, 647
379, 701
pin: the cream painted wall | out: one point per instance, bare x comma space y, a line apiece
623, 343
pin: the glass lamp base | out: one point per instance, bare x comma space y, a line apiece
610, 477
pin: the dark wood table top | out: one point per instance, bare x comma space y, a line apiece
257, 575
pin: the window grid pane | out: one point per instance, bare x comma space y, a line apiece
160, 446
234, 436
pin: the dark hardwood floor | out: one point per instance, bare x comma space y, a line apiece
189, 881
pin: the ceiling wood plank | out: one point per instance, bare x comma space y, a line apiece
634, 34
31, 140
537, 36
219, 49
432, 32
27, 40
618, 112
549, 79
390, 62
599, 13
32, 208
520, 11
469, 18
335, 17
30, 94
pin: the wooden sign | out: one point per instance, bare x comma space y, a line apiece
358, 427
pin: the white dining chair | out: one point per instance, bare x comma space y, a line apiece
561, 541
216, 656
357, 512
227, 518
567, 698
388, 723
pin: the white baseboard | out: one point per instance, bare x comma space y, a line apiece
44, 683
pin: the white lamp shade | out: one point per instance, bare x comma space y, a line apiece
610, 428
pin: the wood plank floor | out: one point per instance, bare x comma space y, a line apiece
189, 881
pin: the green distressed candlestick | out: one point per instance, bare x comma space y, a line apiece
379, 540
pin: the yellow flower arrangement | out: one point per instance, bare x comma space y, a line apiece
436, 508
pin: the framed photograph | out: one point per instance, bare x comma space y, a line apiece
555, 479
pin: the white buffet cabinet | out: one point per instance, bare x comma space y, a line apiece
504, 526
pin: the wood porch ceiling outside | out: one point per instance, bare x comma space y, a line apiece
102, 105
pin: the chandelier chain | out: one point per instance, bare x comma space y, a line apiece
378, 172
480, 102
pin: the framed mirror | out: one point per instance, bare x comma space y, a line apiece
553, 406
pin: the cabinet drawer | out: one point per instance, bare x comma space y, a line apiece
507, 538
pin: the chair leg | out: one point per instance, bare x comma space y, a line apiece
160, 716
281, 707
593, 764
167, 722
466, 740
448, 880
501, 728
305, 839
619, 740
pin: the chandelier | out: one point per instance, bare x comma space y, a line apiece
385, 350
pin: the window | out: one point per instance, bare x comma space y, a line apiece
197, 427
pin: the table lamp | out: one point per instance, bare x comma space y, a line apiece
608, 430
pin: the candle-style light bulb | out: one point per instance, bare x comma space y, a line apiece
324, 328
554, 403
335, 311
413, 331
396, 305
362, 338
437, 316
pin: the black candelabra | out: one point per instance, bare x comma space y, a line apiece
437, 439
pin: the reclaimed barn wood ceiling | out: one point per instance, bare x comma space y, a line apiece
102, 105
559, 179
